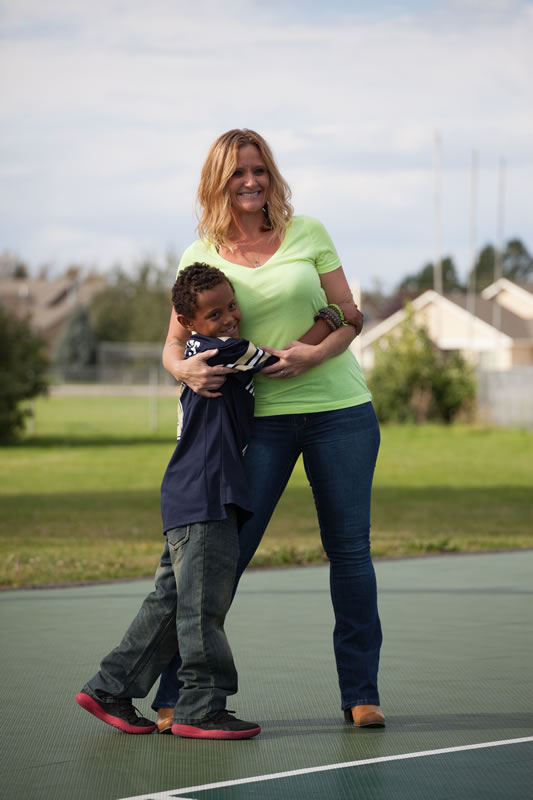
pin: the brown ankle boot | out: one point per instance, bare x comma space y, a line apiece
367, 716
164, 720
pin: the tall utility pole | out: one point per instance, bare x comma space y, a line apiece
471, 289
437, 266
471, 293
498, 250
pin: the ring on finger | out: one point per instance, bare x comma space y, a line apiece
282, 373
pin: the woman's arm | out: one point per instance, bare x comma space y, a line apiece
193, 371
320, 343
337, 291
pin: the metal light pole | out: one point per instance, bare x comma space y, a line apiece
471, 290
498, 250
471, 294
437, 266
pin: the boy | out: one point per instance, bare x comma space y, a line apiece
204, 499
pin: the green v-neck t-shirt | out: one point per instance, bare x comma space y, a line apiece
279, 301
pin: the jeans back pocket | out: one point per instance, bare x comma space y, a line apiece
177, 537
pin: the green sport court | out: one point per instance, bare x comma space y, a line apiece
456, 687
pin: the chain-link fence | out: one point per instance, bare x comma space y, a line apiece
120, 363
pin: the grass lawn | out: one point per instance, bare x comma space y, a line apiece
79, 496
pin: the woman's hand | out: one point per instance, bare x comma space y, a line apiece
194, 371
294, 359
352, 315
200, 377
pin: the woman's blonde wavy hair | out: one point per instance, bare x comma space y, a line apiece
214, 211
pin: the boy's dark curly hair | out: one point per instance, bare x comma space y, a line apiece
194, 279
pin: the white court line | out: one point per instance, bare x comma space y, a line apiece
179, 794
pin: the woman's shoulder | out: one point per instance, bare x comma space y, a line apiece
304, 226
197, 251
302, 221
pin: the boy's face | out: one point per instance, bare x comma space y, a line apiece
217, 313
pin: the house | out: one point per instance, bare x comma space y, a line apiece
48, 304
516, 297
494, 330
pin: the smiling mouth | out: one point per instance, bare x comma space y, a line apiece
250, 194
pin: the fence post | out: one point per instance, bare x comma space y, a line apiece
153, 399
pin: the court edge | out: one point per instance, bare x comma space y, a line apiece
178, 794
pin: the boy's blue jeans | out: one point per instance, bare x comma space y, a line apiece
339, 451
193, 592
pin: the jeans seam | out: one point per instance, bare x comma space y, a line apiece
207, 660
147, 655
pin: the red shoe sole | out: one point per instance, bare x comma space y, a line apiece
90, 705
190, 732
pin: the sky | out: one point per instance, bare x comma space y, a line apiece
108, 108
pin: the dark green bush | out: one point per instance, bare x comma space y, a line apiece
22, 373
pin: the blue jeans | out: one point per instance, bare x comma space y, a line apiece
339, 451
193, 592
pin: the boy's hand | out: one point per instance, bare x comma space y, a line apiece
294, 359
202, 378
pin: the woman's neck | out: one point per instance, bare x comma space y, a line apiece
247, 226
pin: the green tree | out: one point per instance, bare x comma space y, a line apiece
11, 266
412, 381
135, 308
517, 264
423, 279
22, 373
484, 269
77, 348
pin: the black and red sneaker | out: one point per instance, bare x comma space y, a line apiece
218, 725
116, 711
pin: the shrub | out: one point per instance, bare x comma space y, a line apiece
413, 381
22, 373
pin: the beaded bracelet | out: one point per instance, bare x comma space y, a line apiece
334, 315
322, 315
330, 316
339, 311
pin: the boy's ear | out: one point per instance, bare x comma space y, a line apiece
185, 322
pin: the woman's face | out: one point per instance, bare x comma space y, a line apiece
249, 184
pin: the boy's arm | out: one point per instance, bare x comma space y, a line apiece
237, 354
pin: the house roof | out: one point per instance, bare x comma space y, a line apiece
48, 302
511, 326
509, 323
525, 290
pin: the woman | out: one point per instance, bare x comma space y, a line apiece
314, 401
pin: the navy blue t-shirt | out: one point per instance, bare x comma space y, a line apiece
206, 470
